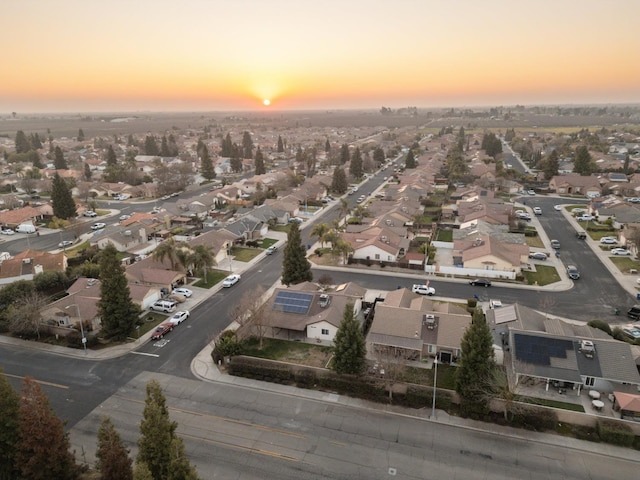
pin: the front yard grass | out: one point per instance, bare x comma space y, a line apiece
445, 236
535, 242
574, 407
424, 376
281, 228
213, 278
544, 275
243, 254
287, 351
625, 264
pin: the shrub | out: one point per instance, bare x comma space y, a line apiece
615, 433
472, 303
601, 325
305, 378
535, 419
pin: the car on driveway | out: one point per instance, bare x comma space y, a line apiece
531, 192
90, 213
161, 330
423, 289
65, 244
558, 207
231, 280
98, 226
620, 251
271, 250
608, 240
182, 291
7, 231
125, 217
538, 256
480, 282
585, 218
573, 272
179, 317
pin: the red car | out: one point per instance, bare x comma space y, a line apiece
161, 330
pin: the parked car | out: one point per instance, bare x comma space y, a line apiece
176, 297
634, 312
620, 251
581, 235
231, 280
161, 330
166, 306
65, 244
480, 282
538, 256
179, 317
573, 272
182, 291
271, 250
124, 217
608, 240
90, 213
423, 289
98, 226
558, 207
555, 244
7, 231
537, 210
585, 217
531, 192
493, 304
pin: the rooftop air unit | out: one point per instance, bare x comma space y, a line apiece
429, 321
324, 300
587, 347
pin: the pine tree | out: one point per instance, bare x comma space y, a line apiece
235, 162
80, 135
87, 172
476, 362
226, 146
355, 167
410, 161
113, 457
584, 164
327, 146
280, 145
150, 146
206, 165
119, 314
179, 466
58, 159
344, 154
35, 160
9, 432
157, 433
247, 145
141, 472
112, 160
339, 182
61, 199
22, 142
35, 141
259, 163
164, 147
349, 345
43, 450
131, 142
295, 266
378, 155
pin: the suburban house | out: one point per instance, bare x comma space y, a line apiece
218, 241
485, 252
552, 350
378, 244
25, 265
302, 312
13, 218
149, 271
125, 240
575, 184
414, 327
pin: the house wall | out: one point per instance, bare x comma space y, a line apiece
474, 272
315, 331
371, 251
498, 264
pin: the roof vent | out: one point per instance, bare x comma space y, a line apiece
26, 260
325, 300
429, 321
587, 347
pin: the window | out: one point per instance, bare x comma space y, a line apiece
589, 381
377, 257
325, 331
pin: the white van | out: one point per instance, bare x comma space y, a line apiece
26, 228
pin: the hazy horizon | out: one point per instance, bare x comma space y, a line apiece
205, 56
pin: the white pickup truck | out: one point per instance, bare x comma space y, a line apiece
423, 289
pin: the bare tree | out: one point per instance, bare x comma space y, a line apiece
26, 318
250, 313
391, 364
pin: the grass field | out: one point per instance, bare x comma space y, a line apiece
625, 264
544, 275
213, 277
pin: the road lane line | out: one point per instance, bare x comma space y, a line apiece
41, 382
147, 354
240, 447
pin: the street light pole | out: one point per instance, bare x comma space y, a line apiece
435, 381
84, 339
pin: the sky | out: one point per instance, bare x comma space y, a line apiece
233, 55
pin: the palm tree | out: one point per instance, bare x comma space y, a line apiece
332, 236
320, 230
201, 257
343, 248
168, 249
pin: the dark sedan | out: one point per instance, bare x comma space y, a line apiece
480, 282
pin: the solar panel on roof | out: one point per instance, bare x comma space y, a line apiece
293, 302
540, 350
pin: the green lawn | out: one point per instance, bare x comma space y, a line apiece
625, 264
274, 349
151, 319
424, 376
243, 254
534, 242
213, 278
544, 275
267, 242
574, 407
281, 228
74, 251
445, 236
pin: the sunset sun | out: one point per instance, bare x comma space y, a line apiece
266, 102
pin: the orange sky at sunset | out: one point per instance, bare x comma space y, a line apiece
203, 55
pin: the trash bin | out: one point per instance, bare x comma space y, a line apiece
637, 296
